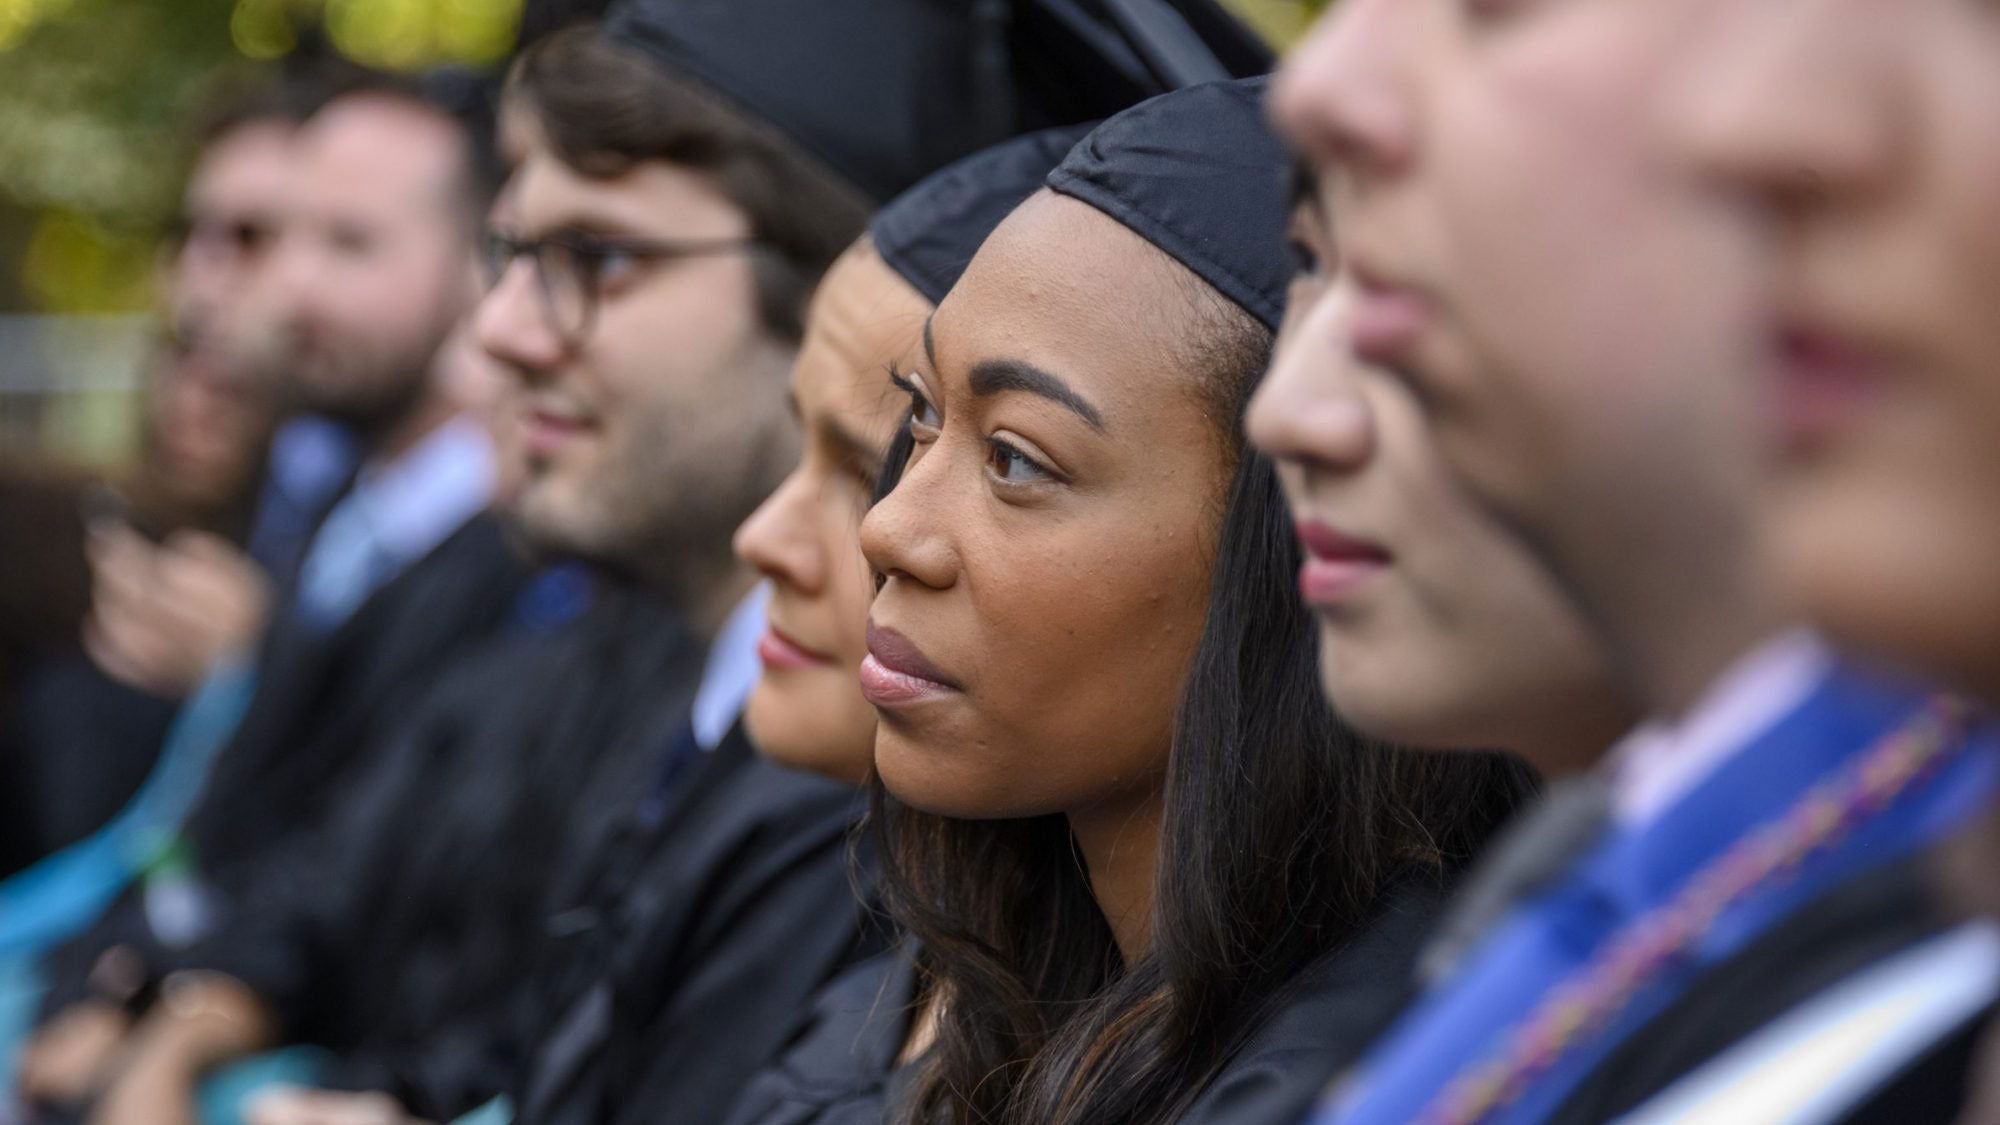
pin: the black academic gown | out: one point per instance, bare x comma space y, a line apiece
322, 704
1325, 1019
840, 1067
694, 947
397, 936
77, 745
74, 744
1851, 928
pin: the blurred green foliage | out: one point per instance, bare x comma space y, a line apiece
96, 97
1280, 21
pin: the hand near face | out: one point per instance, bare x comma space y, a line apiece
203, 1021
69, 1058
162, 614
297, 1105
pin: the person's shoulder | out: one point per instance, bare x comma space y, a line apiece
838, 1067
741, 833
1327, 1015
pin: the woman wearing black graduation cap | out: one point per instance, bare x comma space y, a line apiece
807, 711
866, 324
1113, 815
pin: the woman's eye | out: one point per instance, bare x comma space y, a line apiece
1305, 260
924, 420
1013, 466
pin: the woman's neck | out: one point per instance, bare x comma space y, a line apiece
1571, 738
1120, 845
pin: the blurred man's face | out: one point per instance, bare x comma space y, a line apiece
373, 264
1868, 133
1573, 317
235, 208
650, 433
209, 422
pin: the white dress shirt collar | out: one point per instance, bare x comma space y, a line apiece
1660, 762
732, 671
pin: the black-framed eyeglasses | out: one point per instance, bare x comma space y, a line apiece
571, 270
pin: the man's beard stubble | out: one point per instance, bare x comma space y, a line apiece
368, 390
663, 518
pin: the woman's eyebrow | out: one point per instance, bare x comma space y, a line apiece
994, 376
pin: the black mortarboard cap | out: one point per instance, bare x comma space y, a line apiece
929, 233
884, 92
1199, 174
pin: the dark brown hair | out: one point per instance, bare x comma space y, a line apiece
604, 108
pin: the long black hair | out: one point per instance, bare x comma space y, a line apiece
1283, 831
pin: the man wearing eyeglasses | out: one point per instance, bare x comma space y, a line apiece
650, 311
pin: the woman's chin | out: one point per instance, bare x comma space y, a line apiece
808, 735
934, 780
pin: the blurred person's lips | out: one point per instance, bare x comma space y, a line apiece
779, 650
1337, 564
1824, 380
897, 673
546, 427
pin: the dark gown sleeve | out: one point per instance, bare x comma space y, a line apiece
397, 936
1325, 1020
491, 861
840, 1067
79, 746
322, 709
694, 948
308, 907
778, 917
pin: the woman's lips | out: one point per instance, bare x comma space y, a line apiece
1336, 564
897, 674
780, 652
1824, 382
